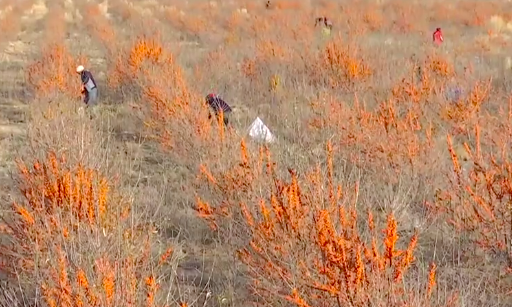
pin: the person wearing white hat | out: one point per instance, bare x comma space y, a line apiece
90, 91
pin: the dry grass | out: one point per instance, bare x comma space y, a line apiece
389, 184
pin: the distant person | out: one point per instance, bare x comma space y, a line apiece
325, 21
437, 36
218, 105
89, 90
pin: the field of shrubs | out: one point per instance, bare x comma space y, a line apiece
389, 182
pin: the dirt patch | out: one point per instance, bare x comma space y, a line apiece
10, 130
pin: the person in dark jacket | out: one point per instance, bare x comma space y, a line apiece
89, 90
217, 105
324, 20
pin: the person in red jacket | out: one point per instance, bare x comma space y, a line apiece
437, 37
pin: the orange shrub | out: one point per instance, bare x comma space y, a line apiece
412, 90
342, 66
130, 64
111, 283
477, 199
55, 72
427, 79
390, 137
60, 202
304, 242
72, 237
439, 66
271, 57
235, 184
462, 114
174, 114
271, 51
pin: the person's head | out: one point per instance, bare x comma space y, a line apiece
438, 30
79, 69
209, 97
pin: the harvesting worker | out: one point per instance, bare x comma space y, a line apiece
324, 20
89, 89
217, 105
437, 37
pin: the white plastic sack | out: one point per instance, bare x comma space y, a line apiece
259, 131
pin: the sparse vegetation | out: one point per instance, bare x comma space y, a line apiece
389, 183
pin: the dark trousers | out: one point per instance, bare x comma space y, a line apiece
91, 98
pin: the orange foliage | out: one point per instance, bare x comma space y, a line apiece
55, 72
428, 78
271, 50
305, 244
396, 132
463, 112
249, 69
476, 200
117, 284
169, 106
342, 65
59, 201
64, 207
130, 66
308, 243
439, 66
431, 278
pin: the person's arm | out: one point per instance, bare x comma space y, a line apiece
85, 77
82, 77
